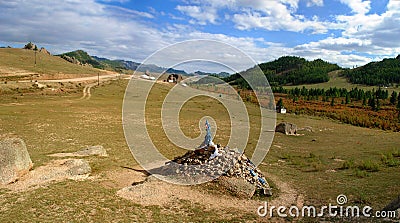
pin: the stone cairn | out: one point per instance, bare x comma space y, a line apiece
214, 160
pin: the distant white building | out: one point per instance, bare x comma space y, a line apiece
282, 111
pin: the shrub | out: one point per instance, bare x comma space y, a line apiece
390, 159
369, 165
348, 164
361, 173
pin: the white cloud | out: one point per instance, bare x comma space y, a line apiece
277, 22
114, 32
315, 2
274, 15
381, 31
364, 38
67, 25
202, 15
358, 6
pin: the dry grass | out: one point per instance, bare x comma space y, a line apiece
62, 123
17, 64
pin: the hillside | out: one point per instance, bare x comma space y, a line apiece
382, 73
295, 70
20, 63
82, 57
290, 70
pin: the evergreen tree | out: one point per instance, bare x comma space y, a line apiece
347, 99
393, 98
378, 104
364, 103
333, 102
280, 103
371, 103
398, 102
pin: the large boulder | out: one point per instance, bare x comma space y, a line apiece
14, 160
238, 186
286, 128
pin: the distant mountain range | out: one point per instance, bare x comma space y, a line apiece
82, 57
220, 74
286, 70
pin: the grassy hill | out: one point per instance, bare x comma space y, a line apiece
20, 63
117, 65
84, 58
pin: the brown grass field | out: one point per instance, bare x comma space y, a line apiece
332, 159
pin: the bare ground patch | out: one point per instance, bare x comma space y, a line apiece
156, 192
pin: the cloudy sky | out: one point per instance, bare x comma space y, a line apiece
346, 32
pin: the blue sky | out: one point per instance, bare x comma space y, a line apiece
347, 32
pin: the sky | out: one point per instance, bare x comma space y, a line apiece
347, 32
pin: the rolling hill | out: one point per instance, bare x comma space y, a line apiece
20, 63
82, 57
382, 73
289, 70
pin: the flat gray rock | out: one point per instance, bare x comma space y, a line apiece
88, 151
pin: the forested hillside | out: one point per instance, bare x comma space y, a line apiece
290, 70
382, 73
296, 70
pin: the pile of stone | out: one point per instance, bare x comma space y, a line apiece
228, 163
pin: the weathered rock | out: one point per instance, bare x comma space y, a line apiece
88, 151
76, 168
43, 50
286, 128
54, 171
92, 150
239, 186
14, 160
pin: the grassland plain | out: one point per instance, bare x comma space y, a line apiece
333, 159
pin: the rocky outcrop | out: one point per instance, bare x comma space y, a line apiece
286, 128
43, 50
14, 160
30, 46
70, 59
74, 60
